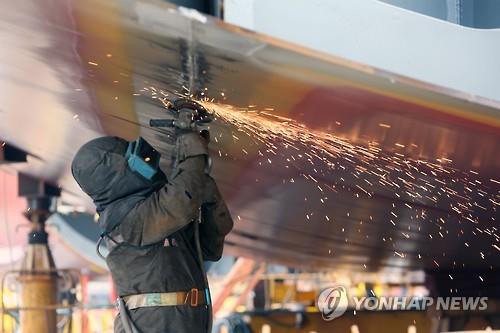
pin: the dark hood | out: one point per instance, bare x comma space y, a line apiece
102, 172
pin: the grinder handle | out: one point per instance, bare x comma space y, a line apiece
161, 123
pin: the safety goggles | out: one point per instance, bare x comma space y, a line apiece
143, 158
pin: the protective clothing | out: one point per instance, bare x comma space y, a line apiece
152, 245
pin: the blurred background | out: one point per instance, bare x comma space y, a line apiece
356, 143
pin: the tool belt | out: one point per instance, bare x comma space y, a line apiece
193, 297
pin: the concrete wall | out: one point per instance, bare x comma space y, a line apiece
383, 36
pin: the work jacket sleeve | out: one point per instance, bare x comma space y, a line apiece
216, 222
169, 209
177, 203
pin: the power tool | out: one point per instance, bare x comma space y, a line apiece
188, 114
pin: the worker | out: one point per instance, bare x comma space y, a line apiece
151, 226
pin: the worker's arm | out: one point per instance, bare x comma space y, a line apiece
216, 222
175, 205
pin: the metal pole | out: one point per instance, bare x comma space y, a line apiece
38, 279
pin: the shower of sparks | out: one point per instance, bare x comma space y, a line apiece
332, 163
431, 200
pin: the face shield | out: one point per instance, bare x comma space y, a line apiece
142, 158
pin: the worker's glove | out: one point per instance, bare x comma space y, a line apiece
190, 144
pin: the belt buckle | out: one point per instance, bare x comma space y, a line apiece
194, 297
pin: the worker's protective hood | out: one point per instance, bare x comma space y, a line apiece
101, 170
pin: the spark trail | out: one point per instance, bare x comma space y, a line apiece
430, 200
331, 163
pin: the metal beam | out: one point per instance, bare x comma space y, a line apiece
11, 154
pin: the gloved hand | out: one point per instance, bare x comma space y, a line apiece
189, 144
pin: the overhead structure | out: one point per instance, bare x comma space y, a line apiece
324, 162
10, 154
